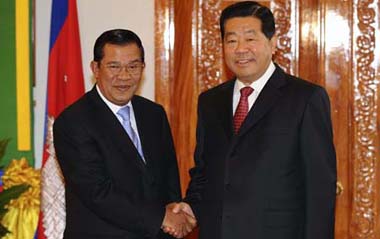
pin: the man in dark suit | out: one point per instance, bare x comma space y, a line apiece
116, 152
265, 164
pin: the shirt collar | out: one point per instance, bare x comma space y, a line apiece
113, 107
259, 84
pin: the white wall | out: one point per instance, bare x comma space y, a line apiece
95, 17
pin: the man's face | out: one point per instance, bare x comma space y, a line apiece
119, 73
247, 51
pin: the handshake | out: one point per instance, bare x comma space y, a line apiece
179, 220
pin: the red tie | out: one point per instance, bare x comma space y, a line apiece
242, 108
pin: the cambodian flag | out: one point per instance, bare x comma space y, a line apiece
65, 85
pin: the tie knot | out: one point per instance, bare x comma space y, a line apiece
124, 113
246, 91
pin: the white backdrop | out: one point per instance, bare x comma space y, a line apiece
95, 17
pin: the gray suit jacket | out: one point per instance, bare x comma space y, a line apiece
276, 178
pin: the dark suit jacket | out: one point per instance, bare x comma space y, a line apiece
110, 192
276, 178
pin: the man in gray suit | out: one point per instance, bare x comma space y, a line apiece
265, 164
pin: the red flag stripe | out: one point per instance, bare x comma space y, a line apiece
65, 85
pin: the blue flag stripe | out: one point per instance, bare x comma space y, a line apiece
58, 17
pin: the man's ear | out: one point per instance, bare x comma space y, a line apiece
95, 68
274, 44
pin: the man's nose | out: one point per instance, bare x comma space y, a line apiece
124, 73
241, 46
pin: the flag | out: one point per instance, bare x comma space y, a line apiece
16, 79
65, 85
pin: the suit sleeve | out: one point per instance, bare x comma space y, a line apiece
172, 175
86, 176
318, 156
198, 179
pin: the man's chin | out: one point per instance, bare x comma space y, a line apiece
122, 100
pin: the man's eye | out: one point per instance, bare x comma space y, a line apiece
114, 66
231, 41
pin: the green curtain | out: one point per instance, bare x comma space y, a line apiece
9, 95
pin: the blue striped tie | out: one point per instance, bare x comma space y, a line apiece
124, 113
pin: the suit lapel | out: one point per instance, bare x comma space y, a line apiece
225, 107
143, 128
107, 122
264, 103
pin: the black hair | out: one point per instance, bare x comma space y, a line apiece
117, 37
247, 9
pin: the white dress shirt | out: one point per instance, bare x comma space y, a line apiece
115, 108
257, 86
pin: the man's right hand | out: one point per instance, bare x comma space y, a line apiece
179, 220
185, 208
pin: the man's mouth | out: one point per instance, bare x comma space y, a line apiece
123, 87
244, 62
